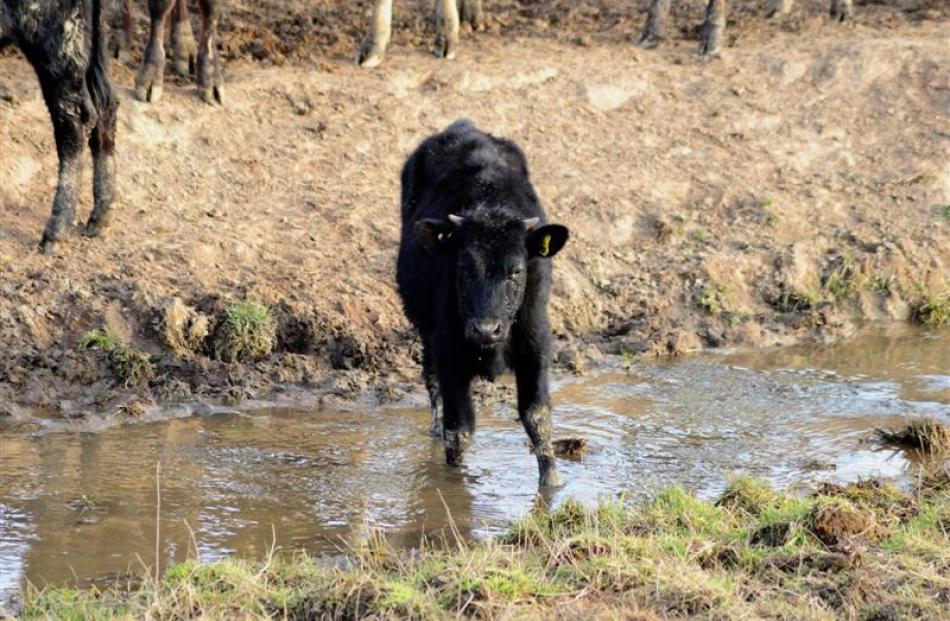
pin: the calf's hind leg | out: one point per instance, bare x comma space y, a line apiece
841, 10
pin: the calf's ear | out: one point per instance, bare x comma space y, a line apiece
547, 240
436, 235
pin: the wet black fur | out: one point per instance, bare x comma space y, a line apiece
63, 41
484, 179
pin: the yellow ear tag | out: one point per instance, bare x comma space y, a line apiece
545, 245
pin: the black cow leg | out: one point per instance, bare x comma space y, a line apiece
431, 379
184, 48
534, 407
151, 76
210, 80
710, 38
102, 145
69, 105
654, 31
458, 415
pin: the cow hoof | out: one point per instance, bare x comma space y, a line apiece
649, 41
551, 478
445, 48
709, 45
184, 51
370, 55
93, 229
212, 95
148, 91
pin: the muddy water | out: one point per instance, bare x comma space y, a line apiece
83, 506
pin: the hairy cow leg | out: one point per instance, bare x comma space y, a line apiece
654, 31
841, 10
70, 109
470, 12
210, 80
102, 145
458, 415
431, 379
534, 401
710, 39
778, 8
151, 76
447, 29
373, 49
184, 49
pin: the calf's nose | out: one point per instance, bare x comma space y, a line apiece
488, 330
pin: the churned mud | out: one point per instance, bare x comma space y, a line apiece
791, 189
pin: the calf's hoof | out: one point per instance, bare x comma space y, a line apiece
841, 10
94, 228
455, 444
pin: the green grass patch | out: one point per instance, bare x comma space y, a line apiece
247, 331
131, 366
933, 311
791, 301
845, 552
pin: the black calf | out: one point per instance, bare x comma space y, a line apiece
474, 275
63, 40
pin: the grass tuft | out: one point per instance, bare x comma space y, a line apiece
927, 434
131, 366
247, 331
932, 312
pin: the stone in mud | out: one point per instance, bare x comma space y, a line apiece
182, 328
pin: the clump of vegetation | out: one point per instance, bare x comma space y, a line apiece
881, 284
131, 366
247, 331
712, 299
844, 552
791, 301
927, 434
570, 448
932, 312
840, 281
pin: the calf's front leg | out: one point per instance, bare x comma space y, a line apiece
458, 414
534, 403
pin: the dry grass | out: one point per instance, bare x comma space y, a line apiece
927, 434
861, 551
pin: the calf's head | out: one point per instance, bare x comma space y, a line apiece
492, 250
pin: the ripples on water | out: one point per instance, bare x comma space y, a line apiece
83, 505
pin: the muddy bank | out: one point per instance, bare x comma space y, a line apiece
791, 190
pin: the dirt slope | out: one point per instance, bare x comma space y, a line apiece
793, 188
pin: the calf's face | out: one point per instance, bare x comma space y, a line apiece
491, 274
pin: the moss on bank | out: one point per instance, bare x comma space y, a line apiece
861, 551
